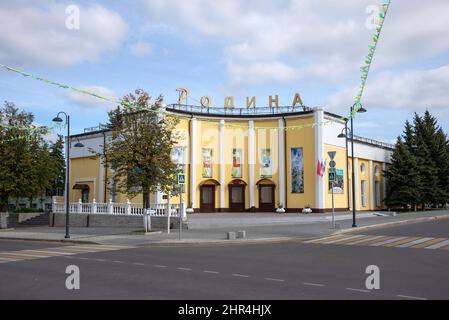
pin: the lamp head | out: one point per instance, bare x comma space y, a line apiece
78, 145
57, 119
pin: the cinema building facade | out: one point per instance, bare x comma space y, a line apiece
250, 160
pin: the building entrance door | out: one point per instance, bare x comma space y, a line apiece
207, 198
237, 198
266, 197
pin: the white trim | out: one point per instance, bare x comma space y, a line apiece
371, 185
193, 150
318, 116
101, 183
251, 162
281, 160
355, 192
384, 185
222, 165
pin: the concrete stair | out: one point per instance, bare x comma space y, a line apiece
41, 220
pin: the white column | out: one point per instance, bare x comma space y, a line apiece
371, 185
251, 162
222, 165
193, 144
384, 184
281, 162
318, 115
101, 182
356, 193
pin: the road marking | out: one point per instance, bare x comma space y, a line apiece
8, 259
138, 264
438, 245
358, 290
54, 253
428, 243
159, 266
274, 279
209, 271
26, 255
83, 258
186, 269
417, 241
364, 240
400, 242
118, 261
101, 260
325, 238
395, 239
349, 240
240, 275
313, 284
410, 297
344, 239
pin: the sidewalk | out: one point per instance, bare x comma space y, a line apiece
259, 229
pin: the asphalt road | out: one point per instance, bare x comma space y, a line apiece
285, 270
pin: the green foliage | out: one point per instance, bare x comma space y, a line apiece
419, 165
140, 150
26, 165
28, 210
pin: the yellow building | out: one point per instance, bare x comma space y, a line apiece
245, 160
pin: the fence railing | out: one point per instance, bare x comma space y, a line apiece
128, 208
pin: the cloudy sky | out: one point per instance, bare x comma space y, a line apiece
229, 47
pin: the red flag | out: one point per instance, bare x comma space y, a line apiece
318, 168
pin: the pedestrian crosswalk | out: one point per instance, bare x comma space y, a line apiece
21, 255
384, 241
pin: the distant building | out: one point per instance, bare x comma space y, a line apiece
243, 160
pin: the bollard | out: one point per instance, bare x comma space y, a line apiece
230, 235
241, 234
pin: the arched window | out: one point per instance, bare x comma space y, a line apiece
362, 168
376, 171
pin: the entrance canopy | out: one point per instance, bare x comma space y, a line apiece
210, 182
265, 182
79, 186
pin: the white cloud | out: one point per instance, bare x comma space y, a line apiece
314, 40
414, 90
141, 49
87, 101
35, 32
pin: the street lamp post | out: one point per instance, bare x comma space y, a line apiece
345, 135
67, 175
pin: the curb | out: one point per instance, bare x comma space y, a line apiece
50, 240
218, 241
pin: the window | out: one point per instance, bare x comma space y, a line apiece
362, 168
377, 188
363, 193
376, 171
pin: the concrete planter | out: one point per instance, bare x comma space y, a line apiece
190, 210
307, 210
4, 220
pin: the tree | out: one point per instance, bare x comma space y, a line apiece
402, 177
57, 184
24, 158
139, 153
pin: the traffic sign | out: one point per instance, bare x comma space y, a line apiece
181, 179
332, 164
332, 154
332, 177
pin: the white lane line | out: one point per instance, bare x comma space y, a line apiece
101, 260
138, 264
411, 243
313, 284
240, 275
358, 290
363, 240
25, 255
8, 259
387, 241
410, 297
118, 261
210, 271
344, 239
83, 258
274, 279
186, 269
53, 252
159, 266
438, 245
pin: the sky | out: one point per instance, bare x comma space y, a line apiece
228, 48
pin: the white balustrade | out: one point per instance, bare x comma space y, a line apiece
128, 208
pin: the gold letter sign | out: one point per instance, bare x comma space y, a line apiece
183, 93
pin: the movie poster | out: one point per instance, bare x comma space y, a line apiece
297, 170
207, 163
265, 163
339, 182
236, 163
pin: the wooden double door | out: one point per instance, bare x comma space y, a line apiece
266, 197
237, 198
207, 198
